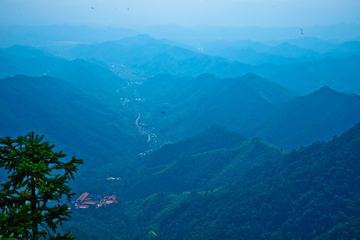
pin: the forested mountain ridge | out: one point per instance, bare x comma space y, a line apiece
79, 123
339, 74
211, 159
208, 100
94, 79
142, 57
251, 105
84, 75
27, 60
314, 117
196, 146
307, 194
284, 53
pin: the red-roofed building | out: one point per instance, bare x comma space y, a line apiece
82, 197
86, 200
89, 202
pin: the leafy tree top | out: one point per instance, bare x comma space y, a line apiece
37, 176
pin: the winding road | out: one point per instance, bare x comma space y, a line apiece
141, 129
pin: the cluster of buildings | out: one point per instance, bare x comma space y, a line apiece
90, 201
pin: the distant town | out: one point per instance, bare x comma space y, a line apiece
87, 200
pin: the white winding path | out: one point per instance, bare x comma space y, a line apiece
140, 128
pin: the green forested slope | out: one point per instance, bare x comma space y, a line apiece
314, 117
77, 123
251, 105
27, 60
306, 194
194, 104
211, 159
88, 76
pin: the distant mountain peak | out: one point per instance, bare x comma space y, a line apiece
140, 39
142, 36
286, 44
206, 76
78, 60
250, 74
254, 77
326, 89
23, 51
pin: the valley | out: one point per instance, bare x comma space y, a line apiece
205, 139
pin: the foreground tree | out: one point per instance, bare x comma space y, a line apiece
30, 201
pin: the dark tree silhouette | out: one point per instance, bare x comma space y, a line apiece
36, 178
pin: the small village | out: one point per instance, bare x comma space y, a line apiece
87, 200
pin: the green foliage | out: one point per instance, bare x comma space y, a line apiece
80, 123
37, 177
107, 222
307, 194
209, 160
152, 232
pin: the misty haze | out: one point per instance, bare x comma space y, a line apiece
195, 119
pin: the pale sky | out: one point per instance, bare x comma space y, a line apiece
129, 13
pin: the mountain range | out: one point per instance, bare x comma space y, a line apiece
305, 194
251, 105
197, 138
211, 159
78, 123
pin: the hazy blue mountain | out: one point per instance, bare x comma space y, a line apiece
271, 91
236, 107
352, 47
250, 56
309, 76
77, 123
122, 100
59, 34
330, 47
140, 57
207, 100
27, 60
258, 53
285, 50
315, 44
205, 33
22, 51
141, 39
90, 77
147, 57
250, 105
352, 62
291, 51
10, 67
166, 87
282, 52
314, 117
143, 57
